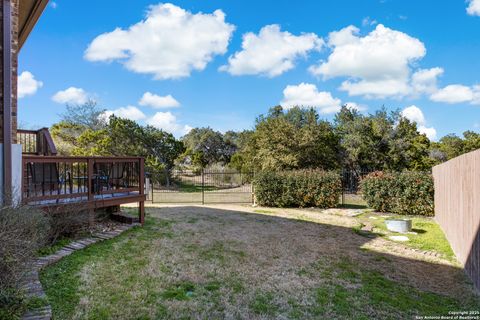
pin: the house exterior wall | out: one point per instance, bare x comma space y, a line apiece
16, 196
14, 36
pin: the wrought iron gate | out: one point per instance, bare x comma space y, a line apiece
203, 186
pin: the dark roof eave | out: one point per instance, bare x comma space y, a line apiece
30, 10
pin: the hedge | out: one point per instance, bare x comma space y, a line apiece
302, 188
406, 193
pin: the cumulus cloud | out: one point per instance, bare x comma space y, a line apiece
455, 93
27, 84
71, 95
430, 132
377, 65
128, 112
425, 80
168, 122
271, 52
415, 114
169, 43
307, 95
155, 101
473, 8
356, 106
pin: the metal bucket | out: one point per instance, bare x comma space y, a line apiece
399, 225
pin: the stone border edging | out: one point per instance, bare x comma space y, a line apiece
33, 286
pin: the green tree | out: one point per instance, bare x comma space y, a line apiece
451, 145
85, 131
408, 148
381, 141
289, 140
78, 119
471, 141
206, 146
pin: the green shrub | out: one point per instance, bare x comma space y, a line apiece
304, 188
408, 193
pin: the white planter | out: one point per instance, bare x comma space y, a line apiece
399, 225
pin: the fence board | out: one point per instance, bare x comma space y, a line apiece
457, 208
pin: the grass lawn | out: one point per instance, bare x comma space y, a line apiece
51, 249
426, 233
232, 262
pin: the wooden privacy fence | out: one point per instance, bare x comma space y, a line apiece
457, 208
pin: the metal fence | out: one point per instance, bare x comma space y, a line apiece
229, 186
202, 186
350, 187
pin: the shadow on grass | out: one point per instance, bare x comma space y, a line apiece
333, 272
419, 231
352, 206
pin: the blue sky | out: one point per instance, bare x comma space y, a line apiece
222, 63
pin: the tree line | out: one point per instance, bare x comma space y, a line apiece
281, 139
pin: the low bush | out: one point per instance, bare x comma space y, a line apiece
69, 221
407, 193
303, 188
23, 231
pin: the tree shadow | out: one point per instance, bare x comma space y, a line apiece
306, 244
472, 265
352, 206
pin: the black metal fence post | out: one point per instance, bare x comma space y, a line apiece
203, 187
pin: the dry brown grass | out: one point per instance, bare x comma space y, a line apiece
229, 262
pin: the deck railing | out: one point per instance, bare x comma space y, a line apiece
58, 180
36, 142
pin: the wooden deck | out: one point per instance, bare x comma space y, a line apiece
93, 182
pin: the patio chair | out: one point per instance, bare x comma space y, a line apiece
117, 175
101, 179
109, 175
46, 176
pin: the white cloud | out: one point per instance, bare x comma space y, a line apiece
307, 95
376, 65
128, 112
168, 122
169, 43
271, 52
356, 106
158, 102
454, 93
430, 132
476, 94
415, 114
27, 84
53, 5
425, 80
376, 88
474, 8
71, 95
367, 21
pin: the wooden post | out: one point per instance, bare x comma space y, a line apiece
141, 181
7, 101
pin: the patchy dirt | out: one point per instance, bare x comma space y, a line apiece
244, 262
264, 235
